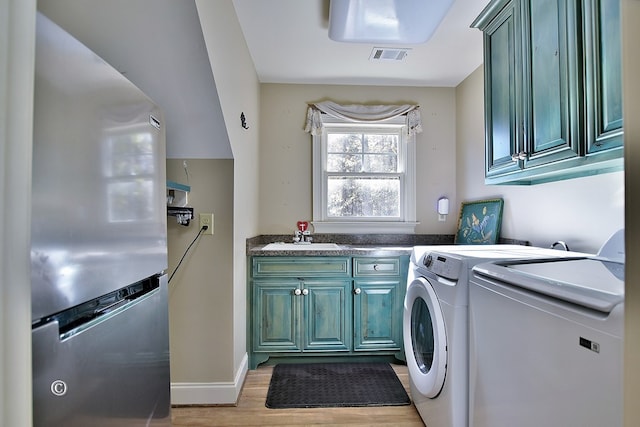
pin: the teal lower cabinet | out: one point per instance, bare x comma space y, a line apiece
276, 309
375, 308
379, 289
326, 315
317, 307
302, 315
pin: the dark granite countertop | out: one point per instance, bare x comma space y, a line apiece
353, 244
344, 250
349, 244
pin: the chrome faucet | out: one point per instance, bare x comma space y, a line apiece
302, 237
302, 234
560, 243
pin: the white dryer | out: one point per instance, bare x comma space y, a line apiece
435, 325
547, 342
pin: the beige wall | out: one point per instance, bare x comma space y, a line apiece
541, 214
285, 150
239, 92
584, 212
200, 292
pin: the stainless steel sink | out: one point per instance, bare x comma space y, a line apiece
281, 246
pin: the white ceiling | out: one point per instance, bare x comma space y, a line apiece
289, 43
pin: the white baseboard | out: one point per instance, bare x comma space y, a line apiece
219, 393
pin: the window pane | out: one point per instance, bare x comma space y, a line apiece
363, 197
344, 142
381, 143
380, 163
344, 163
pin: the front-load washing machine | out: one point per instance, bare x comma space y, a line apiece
435, 325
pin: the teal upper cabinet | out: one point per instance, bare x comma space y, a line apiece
552, 81
603, 76
552, 89
503, 91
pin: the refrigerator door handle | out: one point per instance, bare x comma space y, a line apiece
105, 313
105, 310
124, 302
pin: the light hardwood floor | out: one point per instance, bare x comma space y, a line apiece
251, 411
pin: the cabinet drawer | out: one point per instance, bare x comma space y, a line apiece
301, 267
365, 267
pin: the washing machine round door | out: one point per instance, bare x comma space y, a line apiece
425, 340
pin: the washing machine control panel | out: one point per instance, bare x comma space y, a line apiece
443, 265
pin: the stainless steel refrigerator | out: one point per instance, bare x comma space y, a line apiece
99, 243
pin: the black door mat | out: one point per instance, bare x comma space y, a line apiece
317, 385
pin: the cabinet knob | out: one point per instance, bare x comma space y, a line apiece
305, 292
357, 291
376, 267
297, 292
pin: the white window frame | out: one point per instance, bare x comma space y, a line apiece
406, 166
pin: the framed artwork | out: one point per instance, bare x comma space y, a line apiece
479, 222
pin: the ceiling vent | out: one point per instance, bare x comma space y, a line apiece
388, 54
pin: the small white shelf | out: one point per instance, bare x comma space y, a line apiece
178, 201
177, 194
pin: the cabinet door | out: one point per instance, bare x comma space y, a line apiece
552, 100
502, 59
327, 315
603, 75
276, 316
377, 315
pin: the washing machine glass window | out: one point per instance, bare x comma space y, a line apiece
422, 335
425, 338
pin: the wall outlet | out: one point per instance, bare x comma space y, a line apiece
206, 219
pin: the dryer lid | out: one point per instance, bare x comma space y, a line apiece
589, 282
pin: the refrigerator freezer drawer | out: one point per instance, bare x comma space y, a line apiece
112, 373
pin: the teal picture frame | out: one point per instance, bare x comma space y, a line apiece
479, 222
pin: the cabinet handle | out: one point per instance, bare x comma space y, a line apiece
297, 292
305, 292
357, 291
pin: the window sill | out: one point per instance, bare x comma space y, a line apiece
365, 227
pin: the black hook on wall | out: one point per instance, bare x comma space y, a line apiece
243, 121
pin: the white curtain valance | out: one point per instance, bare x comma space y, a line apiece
362, 114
